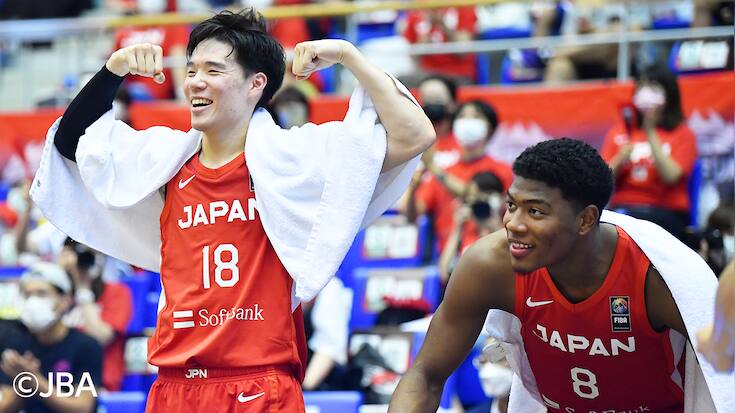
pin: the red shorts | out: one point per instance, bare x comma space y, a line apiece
251, 390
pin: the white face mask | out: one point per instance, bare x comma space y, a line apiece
469, 131
496, 379
37, 313
647, 98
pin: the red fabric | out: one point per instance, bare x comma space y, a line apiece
419, 26
268, 391
228, 296
447, 151
638, 182
167, 37
570, 343
439, 201
116, 306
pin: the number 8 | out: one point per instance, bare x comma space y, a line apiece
590, 383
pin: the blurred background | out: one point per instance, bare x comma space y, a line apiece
493, 76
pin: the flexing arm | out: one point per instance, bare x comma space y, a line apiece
97, 95
409, 131
480, 282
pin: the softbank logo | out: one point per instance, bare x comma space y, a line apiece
205, 318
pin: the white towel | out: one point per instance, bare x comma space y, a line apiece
316, 187
693, 286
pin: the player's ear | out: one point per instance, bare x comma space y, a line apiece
587, 218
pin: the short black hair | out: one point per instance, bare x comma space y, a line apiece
573, 166
672, 114
255, 50
487, 110
488, 182
450, 84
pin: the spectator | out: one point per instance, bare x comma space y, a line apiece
326, 321
173, 40
438, 95
290, 107
44, 9
582, 62
652, 154
436, 26
41, 344
496, 377
102, 309
473, 126
480, 214
715, 242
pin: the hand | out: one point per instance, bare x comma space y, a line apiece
462, 214
717, 342
317, 55
13, 363
624, 153
140, 59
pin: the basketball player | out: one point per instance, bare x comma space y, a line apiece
599, 325
226, 337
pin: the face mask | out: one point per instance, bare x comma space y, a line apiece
647, 98
436, 112
496, 379
728, 244
37, 313
469, 132
291, 115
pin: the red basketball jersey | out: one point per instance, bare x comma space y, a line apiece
227, 295
601, 354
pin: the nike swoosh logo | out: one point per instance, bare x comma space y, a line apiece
537, 303
244, 399
182, 183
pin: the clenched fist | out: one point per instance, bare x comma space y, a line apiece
140, 59
319, 54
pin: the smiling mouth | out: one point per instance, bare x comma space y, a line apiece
200, 102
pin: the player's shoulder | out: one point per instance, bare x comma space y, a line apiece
485, 266
490, 254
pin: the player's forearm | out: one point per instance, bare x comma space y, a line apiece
416, 394
89, 105
408, 129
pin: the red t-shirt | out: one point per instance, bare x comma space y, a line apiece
638, 182
455, 18
447, 151
227, 295
167, 37
439, 201
600, 354
116, 309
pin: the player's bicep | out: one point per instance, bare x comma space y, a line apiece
660, 304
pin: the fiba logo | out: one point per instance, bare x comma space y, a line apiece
60, 384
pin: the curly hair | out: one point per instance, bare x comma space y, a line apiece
573, 166
255, 50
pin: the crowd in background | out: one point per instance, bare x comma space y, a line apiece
459, 187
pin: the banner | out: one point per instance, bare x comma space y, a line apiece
528, 114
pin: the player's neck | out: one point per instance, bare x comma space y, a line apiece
585, 269
220, 148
